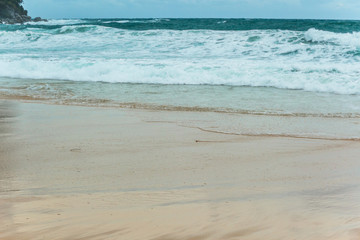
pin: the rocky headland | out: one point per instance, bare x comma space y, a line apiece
12, 12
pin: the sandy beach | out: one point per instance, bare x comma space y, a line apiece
70, 172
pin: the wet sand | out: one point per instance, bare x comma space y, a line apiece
71, 172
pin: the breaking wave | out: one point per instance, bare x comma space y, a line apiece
97, 50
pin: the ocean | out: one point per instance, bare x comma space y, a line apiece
286, 71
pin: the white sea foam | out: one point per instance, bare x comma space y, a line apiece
52, 22
118, 21
309, 77
342, 39
313, 60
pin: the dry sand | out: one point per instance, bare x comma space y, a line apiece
71, 172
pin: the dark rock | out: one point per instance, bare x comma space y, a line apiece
37, 19
12, 14
26, 18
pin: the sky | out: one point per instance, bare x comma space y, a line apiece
313, 9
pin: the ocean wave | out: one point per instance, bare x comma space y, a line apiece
76, 29
335, 78
312, 60
117, 21
53, 22
337, 26
325, 37
204, 43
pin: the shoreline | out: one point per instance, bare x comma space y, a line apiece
332, 129
71, 172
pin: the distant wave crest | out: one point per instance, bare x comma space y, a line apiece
345, 39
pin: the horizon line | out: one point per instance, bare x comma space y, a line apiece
245, 18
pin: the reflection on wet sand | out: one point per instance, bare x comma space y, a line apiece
7, 115
7, 120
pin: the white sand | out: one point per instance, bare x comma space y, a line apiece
93, 173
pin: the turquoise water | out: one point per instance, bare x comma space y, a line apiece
303, 68
205, 98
